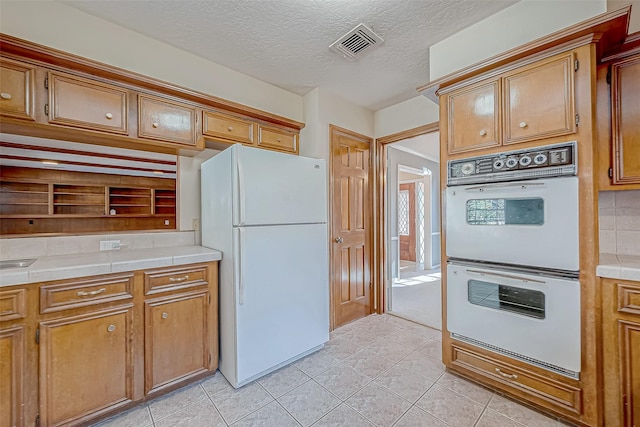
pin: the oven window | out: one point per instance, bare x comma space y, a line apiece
505, 211
526, 302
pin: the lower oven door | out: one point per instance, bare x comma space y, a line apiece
535, 318
532, 223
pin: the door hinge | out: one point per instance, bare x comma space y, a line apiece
37, 336
610, 172
46, 109
609, 76
37, 420
46, 82
209, 360
209, 298
577, 119
576, 65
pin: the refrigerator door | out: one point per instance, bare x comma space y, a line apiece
276, 188
282, 288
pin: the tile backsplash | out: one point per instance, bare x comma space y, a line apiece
619, 222
34, 247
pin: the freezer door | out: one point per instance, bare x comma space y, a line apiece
276, 188
283, 295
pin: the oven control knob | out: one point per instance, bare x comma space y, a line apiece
511, 162
525, 160
498, 164
468, 168
540, 159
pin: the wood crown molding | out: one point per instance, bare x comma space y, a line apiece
410, 133
16, 48
612, 25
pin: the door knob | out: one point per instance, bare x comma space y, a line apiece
339, 240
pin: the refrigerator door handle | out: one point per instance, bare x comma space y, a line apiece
239, 266
241, 193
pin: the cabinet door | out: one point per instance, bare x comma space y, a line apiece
625, 125
538, 100
277, 139
88, 104
621, 346
164, 120
12, 359
16, 89
227, 128
473, 117
176, 339
86, 365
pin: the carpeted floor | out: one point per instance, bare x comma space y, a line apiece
416, 295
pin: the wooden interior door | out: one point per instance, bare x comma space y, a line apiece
350, 227
408, 241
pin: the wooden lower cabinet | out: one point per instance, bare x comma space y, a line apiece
85, 365
176, 339
12, 369
621, 352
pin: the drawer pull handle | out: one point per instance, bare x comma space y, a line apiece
178, 279
109, 116
165, 315
230, 128
111, 328
483, 132
91, 293
510, 376
523, 124
5, 95
155, 124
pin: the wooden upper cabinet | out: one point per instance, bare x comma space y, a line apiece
474, 117
227, 128
88, 104
165, 120
277, 139
17, 84
625, 120
538, 100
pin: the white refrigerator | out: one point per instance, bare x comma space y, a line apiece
267, 213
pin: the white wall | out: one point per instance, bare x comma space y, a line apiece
62, 27
634, 22
415, 112
521, 23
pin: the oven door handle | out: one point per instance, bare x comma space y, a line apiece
506, 276
513, 184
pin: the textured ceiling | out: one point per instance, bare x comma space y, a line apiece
286, 42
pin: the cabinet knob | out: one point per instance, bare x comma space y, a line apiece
523, 124
155, 124
278, 139
483, 132
230, 128
165, 315
109, 116
111, 328
5, 95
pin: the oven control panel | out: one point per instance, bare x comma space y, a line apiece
538, 162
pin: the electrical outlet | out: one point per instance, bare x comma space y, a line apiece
195, 223
109, 245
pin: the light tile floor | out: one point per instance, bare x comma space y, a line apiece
380, 370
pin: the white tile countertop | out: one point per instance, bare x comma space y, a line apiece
93, 263
616, 266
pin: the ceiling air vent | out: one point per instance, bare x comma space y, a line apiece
356, 42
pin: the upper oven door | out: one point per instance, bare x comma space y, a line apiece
531, 223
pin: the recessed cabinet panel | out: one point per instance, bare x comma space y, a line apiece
88, 104
16, 89
538, 100
12, 360
625, 106
227, 128
277, 139
164, 120
474, 119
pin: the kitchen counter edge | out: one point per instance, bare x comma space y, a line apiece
621, 267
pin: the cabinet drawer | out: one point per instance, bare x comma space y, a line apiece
171, 279
277, 139
227, 127
628, 298
85, 292
88, 104
16, 89
165, 120
12, 305
547, 389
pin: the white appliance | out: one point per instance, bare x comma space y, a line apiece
267, 213
534, 317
